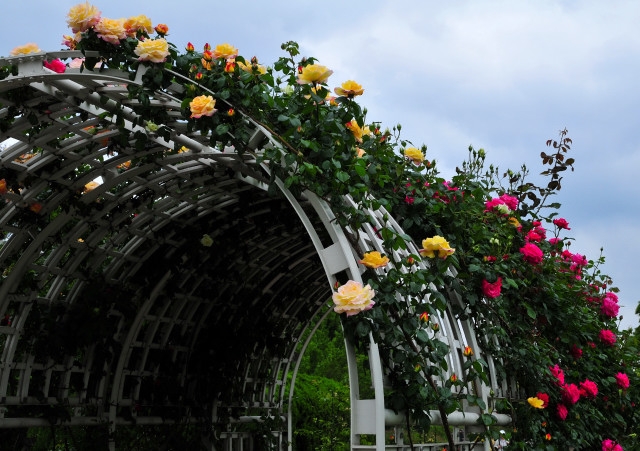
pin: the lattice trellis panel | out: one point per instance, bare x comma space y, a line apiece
111, 306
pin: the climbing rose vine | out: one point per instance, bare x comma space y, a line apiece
546, 315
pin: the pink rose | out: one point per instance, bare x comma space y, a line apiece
531, 253
575, 351
611, 296
76, 63
558, 374
562, 412
609, 307
492, 290
533, 235
55, 65
607, 337
503, 204
493, 203
561, 223
570, 394
622, 380
579, 259
539, 230
510, 201
588, 389
555, 241
610, 445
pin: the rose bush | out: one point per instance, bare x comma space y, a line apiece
547, 315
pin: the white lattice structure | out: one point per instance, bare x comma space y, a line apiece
126, 256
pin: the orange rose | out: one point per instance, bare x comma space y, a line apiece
162, 29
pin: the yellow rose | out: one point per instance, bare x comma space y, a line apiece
414, 155
135, 23
358, 132
202, 106
252, 68
374, 260
436, 246
314, 73
82, 17
25, 49
111, 30
536, 402
225, 51
154, 50
352, 298
349, 89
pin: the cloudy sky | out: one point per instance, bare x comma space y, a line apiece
497, 74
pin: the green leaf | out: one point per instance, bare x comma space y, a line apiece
363, 328
222, 129
532, 314
510, 282
289, 159
342, 176
422, 337
487, 419
361, 171
295, 122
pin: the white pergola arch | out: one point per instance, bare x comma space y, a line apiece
126, 256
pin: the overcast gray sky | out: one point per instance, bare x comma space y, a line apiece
499, 74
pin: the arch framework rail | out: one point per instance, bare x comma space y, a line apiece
163, 284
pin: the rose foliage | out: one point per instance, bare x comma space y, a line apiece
490, 237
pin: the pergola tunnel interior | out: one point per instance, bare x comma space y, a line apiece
163, 282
